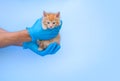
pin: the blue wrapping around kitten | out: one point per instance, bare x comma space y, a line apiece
37, 32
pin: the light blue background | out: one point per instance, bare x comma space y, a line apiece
90, 41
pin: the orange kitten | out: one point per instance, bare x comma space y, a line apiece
49, 21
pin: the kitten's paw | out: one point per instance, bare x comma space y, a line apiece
40, 49
45, 28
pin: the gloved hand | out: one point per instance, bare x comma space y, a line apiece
36, 31
51, 49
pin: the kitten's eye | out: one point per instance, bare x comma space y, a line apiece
48, 22
53, 22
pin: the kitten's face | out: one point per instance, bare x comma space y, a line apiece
51, 20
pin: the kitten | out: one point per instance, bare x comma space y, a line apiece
49, 21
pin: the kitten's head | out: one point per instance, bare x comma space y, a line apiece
50, 20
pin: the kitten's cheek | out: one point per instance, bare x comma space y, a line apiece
44, 27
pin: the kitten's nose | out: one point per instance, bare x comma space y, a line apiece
50, 26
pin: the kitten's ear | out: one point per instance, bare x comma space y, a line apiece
44, 14
58, 14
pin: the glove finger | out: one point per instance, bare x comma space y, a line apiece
53, 47
46, 51
56, 49
36, 22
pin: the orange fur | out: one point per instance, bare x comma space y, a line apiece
50, 20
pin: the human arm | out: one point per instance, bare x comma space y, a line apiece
12, 38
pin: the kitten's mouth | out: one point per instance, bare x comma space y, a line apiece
50, 27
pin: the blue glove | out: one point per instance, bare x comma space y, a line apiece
51, 49
37, 32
